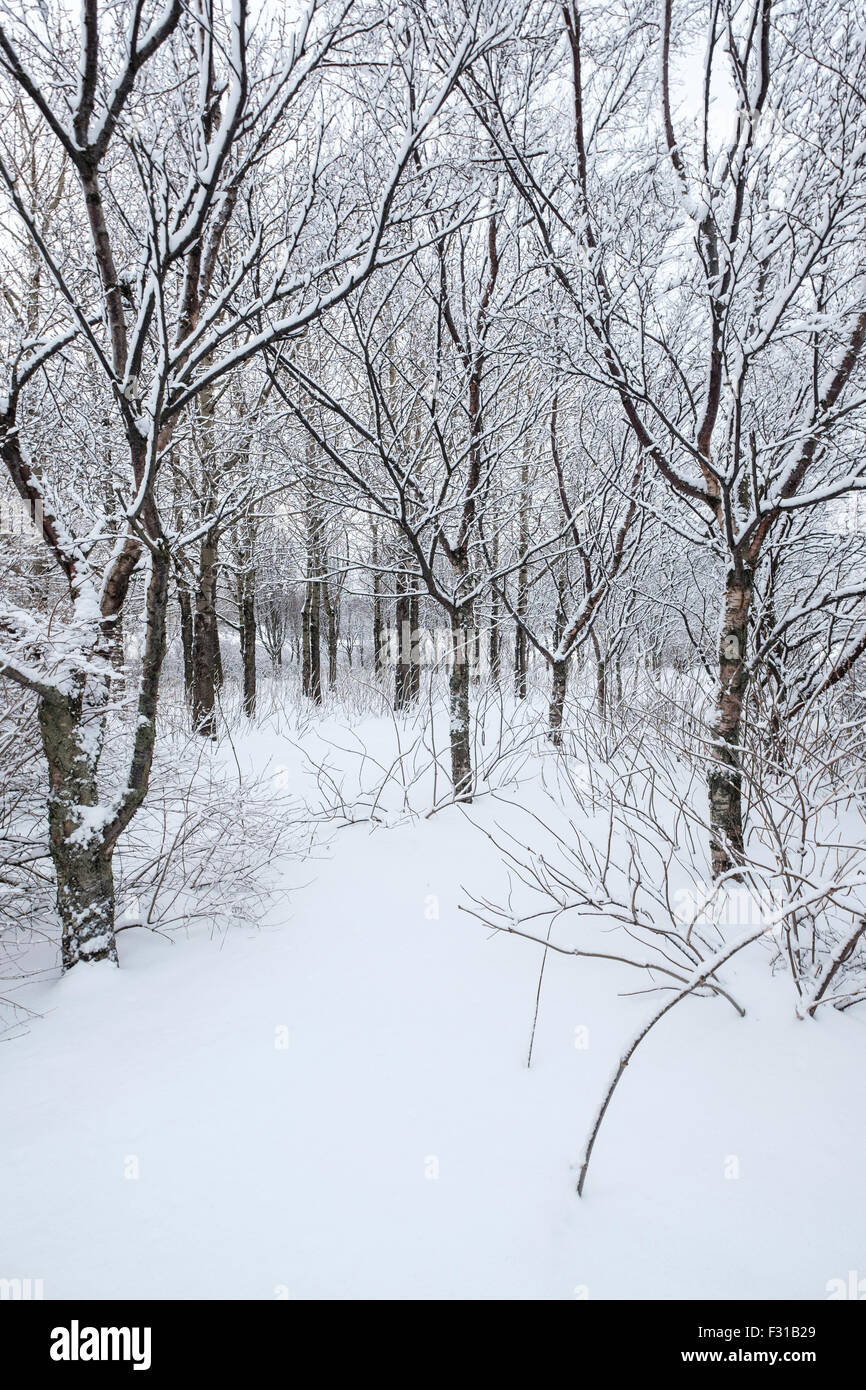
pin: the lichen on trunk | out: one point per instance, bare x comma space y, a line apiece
82, 867
556, 711
727, 831
461, 749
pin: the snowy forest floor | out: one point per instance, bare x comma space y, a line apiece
335, 1102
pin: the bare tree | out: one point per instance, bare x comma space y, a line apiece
762, 293
139, 309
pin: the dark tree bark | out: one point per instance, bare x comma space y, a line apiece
521, 644
559, 672
404, 645
415, 663
204, 650
725, 778
600, 675
557, 701
247, 623
461, 748
379, 634
82, 835
311, 661
186, 638
218, 674
332, 621
82, 862
495, 641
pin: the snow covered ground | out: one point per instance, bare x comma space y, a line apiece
337, 1105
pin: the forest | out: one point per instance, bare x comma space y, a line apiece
431, 618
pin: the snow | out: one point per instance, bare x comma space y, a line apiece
91, 821
337, 1105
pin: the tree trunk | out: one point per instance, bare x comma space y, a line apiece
725, 778
520, 662
311, 671
82, 833
521, 646
495, 642
379, 636
186, 638
217, 649
247, 616
557, 701
461, 749
82, 867
415, 656
118, 654
600, 676
475, 648
407, 674
85, 900
333, 632
204, 648
403, 624
311, 613
559, 681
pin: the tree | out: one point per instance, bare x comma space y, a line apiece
139, 322
727, 321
